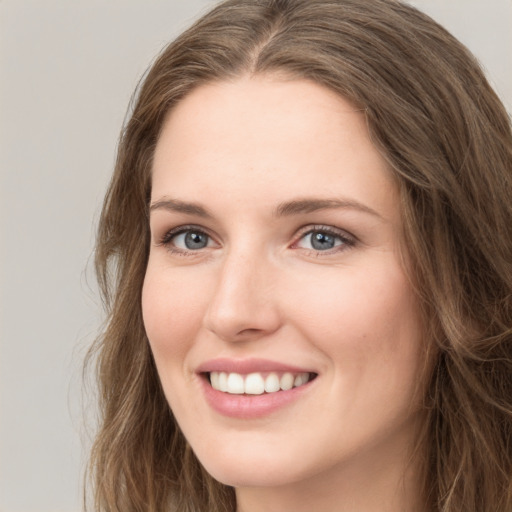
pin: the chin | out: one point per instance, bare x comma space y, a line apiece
253, 468
243, 474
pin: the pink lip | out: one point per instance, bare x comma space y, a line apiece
248, 406
245, 366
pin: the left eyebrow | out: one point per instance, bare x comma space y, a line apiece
309, 205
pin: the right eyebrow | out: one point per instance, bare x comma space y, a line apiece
175, 205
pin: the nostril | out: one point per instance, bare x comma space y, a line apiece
249, 332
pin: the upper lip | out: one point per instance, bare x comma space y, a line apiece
246, 366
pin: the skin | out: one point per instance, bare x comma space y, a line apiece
239, 150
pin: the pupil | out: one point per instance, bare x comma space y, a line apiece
322, 241
196, 240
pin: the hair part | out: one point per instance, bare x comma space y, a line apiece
448, 142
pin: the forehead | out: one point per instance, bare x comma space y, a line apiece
298, 109
262, 136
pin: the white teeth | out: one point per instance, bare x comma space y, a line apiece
235, 384
214, 378
287, 381
223, 381
272, 383
255, 383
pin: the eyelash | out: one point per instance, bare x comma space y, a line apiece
347, 240
167, 238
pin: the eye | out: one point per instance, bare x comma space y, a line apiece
324, 239
186, 239
191, 240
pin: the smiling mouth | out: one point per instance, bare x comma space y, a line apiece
257, 383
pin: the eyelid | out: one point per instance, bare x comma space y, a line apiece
168, 236
349, 240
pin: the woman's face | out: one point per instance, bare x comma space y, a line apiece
285, 333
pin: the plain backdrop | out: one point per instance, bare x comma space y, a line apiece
67, 71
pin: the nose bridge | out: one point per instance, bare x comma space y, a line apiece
242, 304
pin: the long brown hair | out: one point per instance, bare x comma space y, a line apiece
448, 141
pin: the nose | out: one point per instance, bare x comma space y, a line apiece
244, 303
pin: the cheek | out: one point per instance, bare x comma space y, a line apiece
365, 301
172, 310
366, 322
368, 327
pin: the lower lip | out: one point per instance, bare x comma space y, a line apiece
250, 406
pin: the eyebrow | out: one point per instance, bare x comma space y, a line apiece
295, 207
175, 205
309, 205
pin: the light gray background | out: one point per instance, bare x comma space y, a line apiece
67, 71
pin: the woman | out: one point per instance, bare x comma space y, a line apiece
306, 253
